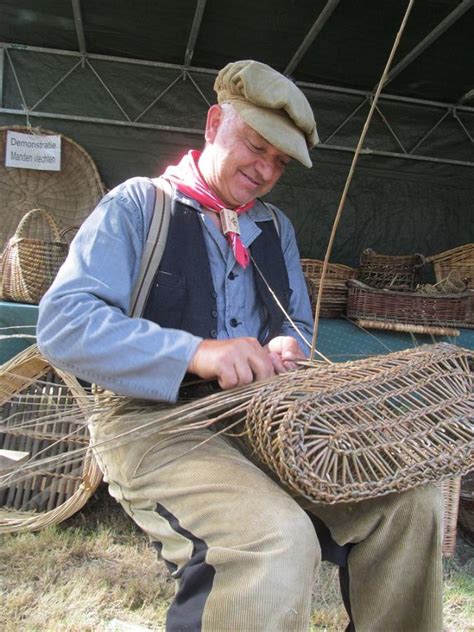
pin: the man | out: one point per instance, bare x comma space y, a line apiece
243, 551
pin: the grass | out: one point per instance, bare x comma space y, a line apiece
97, 568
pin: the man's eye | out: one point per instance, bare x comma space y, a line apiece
255, 147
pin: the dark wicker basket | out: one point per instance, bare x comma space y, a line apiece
466, 508
334, 299
410, 308
396, 272
456, 263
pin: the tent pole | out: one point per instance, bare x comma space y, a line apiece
201, 5
314, 31
211, 71
76, 9
443, 26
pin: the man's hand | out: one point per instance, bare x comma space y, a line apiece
234, 362
284, 351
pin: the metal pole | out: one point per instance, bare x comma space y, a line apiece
443, 26
211, 71
76, 9
194, 32
314, 31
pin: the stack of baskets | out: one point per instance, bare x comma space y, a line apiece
334, 298
386, 295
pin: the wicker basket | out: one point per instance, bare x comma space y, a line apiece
29, 265
457, 263
357, 430
45, 412
466, 508
409, 308
69, 194
334, 299
395, 272
450, 489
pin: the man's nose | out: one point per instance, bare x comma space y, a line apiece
266, 169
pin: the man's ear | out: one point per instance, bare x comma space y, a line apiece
214, 119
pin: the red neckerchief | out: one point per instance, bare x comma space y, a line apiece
188, 179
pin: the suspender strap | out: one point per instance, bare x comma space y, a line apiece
154, 246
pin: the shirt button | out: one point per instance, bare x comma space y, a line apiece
213, 333
234, 322
214, 313
214, 294
231, 276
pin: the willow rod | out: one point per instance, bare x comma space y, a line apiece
351, 173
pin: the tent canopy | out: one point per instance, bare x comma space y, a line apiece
131, 81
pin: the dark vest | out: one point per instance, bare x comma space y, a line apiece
182, 295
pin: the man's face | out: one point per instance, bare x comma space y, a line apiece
238, 164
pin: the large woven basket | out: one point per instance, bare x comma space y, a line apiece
357, 430
69, 194
457, 262
402, 272
409, 308
334, 298
44, 412
29, 265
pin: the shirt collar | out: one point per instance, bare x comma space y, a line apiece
248, 221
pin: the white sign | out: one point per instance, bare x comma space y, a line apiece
31, 151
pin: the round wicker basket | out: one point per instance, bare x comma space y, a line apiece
69, 194
45, 415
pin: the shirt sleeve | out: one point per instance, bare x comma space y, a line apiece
83, 324
299, 308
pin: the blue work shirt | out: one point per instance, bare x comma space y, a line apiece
84, 326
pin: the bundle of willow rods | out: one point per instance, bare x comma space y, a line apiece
332, 433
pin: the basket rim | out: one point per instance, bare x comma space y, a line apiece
355, 283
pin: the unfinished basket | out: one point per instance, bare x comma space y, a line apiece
28, 265
395, 272
450, 490
457, 262
334, 298
409, 308
44, 412
69, 194
357, 430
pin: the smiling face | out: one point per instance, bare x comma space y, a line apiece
237, 163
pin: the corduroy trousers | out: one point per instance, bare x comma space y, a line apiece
244, 551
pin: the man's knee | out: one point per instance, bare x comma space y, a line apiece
424, 502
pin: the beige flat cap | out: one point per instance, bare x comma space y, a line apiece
270, 104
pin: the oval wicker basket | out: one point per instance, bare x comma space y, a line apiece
361, 429
69, 194
45, 414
